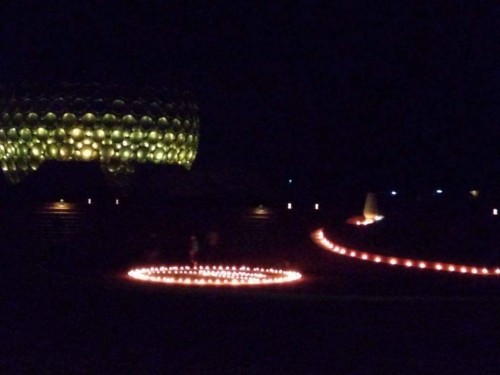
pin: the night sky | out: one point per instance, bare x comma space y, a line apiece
372, 93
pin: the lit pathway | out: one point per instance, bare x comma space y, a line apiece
321, 240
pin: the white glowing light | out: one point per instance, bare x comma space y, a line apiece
89, 201
364, 221
289, 206
394, 192
117, 201
208, 275
495, 211
316, 206
321, 240
439, 191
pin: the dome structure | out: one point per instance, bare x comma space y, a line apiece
116, 126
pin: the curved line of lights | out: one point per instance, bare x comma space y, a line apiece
320, 239
208, 275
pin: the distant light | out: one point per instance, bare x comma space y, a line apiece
89, 201
474, 193
316, 206
289, 206
394, 192
439, 191
61, 201
495, 211
261, 210
290, 180
117, 201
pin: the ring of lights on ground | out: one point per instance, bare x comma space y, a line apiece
210, 275
321, 240
114, 125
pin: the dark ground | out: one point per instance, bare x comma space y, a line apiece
58, 316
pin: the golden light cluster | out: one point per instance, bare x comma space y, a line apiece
320, 239
115, 126
210, 275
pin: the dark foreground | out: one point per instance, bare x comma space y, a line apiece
341, 319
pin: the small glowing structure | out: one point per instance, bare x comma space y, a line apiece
117, 202
394, 192
209, 275
439, 191
289, 206
260, 210
495, 211
290, 180
89, 201
320, 239
60, 206
370, 212
316, 206
474, 193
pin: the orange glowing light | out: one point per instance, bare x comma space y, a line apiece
320, 239
209, 275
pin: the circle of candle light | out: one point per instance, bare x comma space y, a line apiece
209, 275
320, 239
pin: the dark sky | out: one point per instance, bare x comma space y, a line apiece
371, 92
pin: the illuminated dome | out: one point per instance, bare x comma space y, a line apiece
117, 126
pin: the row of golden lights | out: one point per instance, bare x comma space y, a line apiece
210, 275
320, 239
